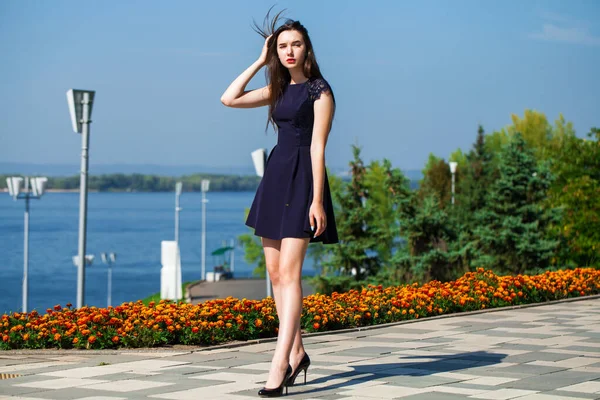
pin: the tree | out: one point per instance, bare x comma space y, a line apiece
512, 231
477, 176
538, 133
354, 255
576, 163
253, 250
437, 180
429, 232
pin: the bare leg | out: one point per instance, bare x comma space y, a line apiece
272, 250
288, 298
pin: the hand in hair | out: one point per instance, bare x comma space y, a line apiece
265, 50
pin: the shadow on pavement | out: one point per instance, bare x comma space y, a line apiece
369, 372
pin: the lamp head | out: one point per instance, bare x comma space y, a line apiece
14, 184
205, 184
453, 165
75, 99
38, 186
259, 158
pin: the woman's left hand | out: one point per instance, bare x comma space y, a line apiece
317, 218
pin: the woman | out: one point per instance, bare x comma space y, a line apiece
292, 206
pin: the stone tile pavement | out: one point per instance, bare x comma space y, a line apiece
546, 352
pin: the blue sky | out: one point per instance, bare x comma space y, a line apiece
410, 77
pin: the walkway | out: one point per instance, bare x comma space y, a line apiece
547, 352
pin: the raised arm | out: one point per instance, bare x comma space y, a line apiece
236, 94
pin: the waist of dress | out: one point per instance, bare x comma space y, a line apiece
286, 145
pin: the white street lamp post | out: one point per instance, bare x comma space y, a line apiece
178, 190
80, 107
109, 259
205, 185
259, 158
231, 266
38, 187
453, 165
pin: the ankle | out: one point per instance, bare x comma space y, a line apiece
297, 353
281, 364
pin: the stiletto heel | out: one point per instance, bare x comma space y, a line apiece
304, 364
278, 391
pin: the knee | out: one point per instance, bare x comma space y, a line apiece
287, 279
274, 276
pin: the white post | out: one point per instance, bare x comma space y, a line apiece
83, 199
26, 249
34, 189
203, 235
269, 293
452, 188
205, 184
109, 284
453, 165
177, 193
232, 256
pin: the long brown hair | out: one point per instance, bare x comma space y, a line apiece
276, 74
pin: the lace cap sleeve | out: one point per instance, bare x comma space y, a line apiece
316, 87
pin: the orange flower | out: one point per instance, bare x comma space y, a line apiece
316, 325
92, 339
75, 340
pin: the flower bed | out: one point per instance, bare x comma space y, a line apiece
216, 321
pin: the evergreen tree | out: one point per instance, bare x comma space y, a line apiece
476, 178
429, 232
355, 254
512, 230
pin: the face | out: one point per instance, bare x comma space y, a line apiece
291, 49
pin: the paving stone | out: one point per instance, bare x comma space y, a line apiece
553, 349
582, 348
435, 396
558, 395
544, 383
415, 381
537, 356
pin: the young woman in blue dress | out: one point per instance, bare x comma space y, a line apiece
288, 55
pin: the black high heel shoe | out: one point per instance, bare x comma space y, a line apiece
304, 364
278, 391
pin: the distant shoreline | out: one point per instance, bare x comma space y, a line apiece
60, 190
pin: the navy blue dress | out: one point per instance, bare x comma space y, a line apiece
282, 202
